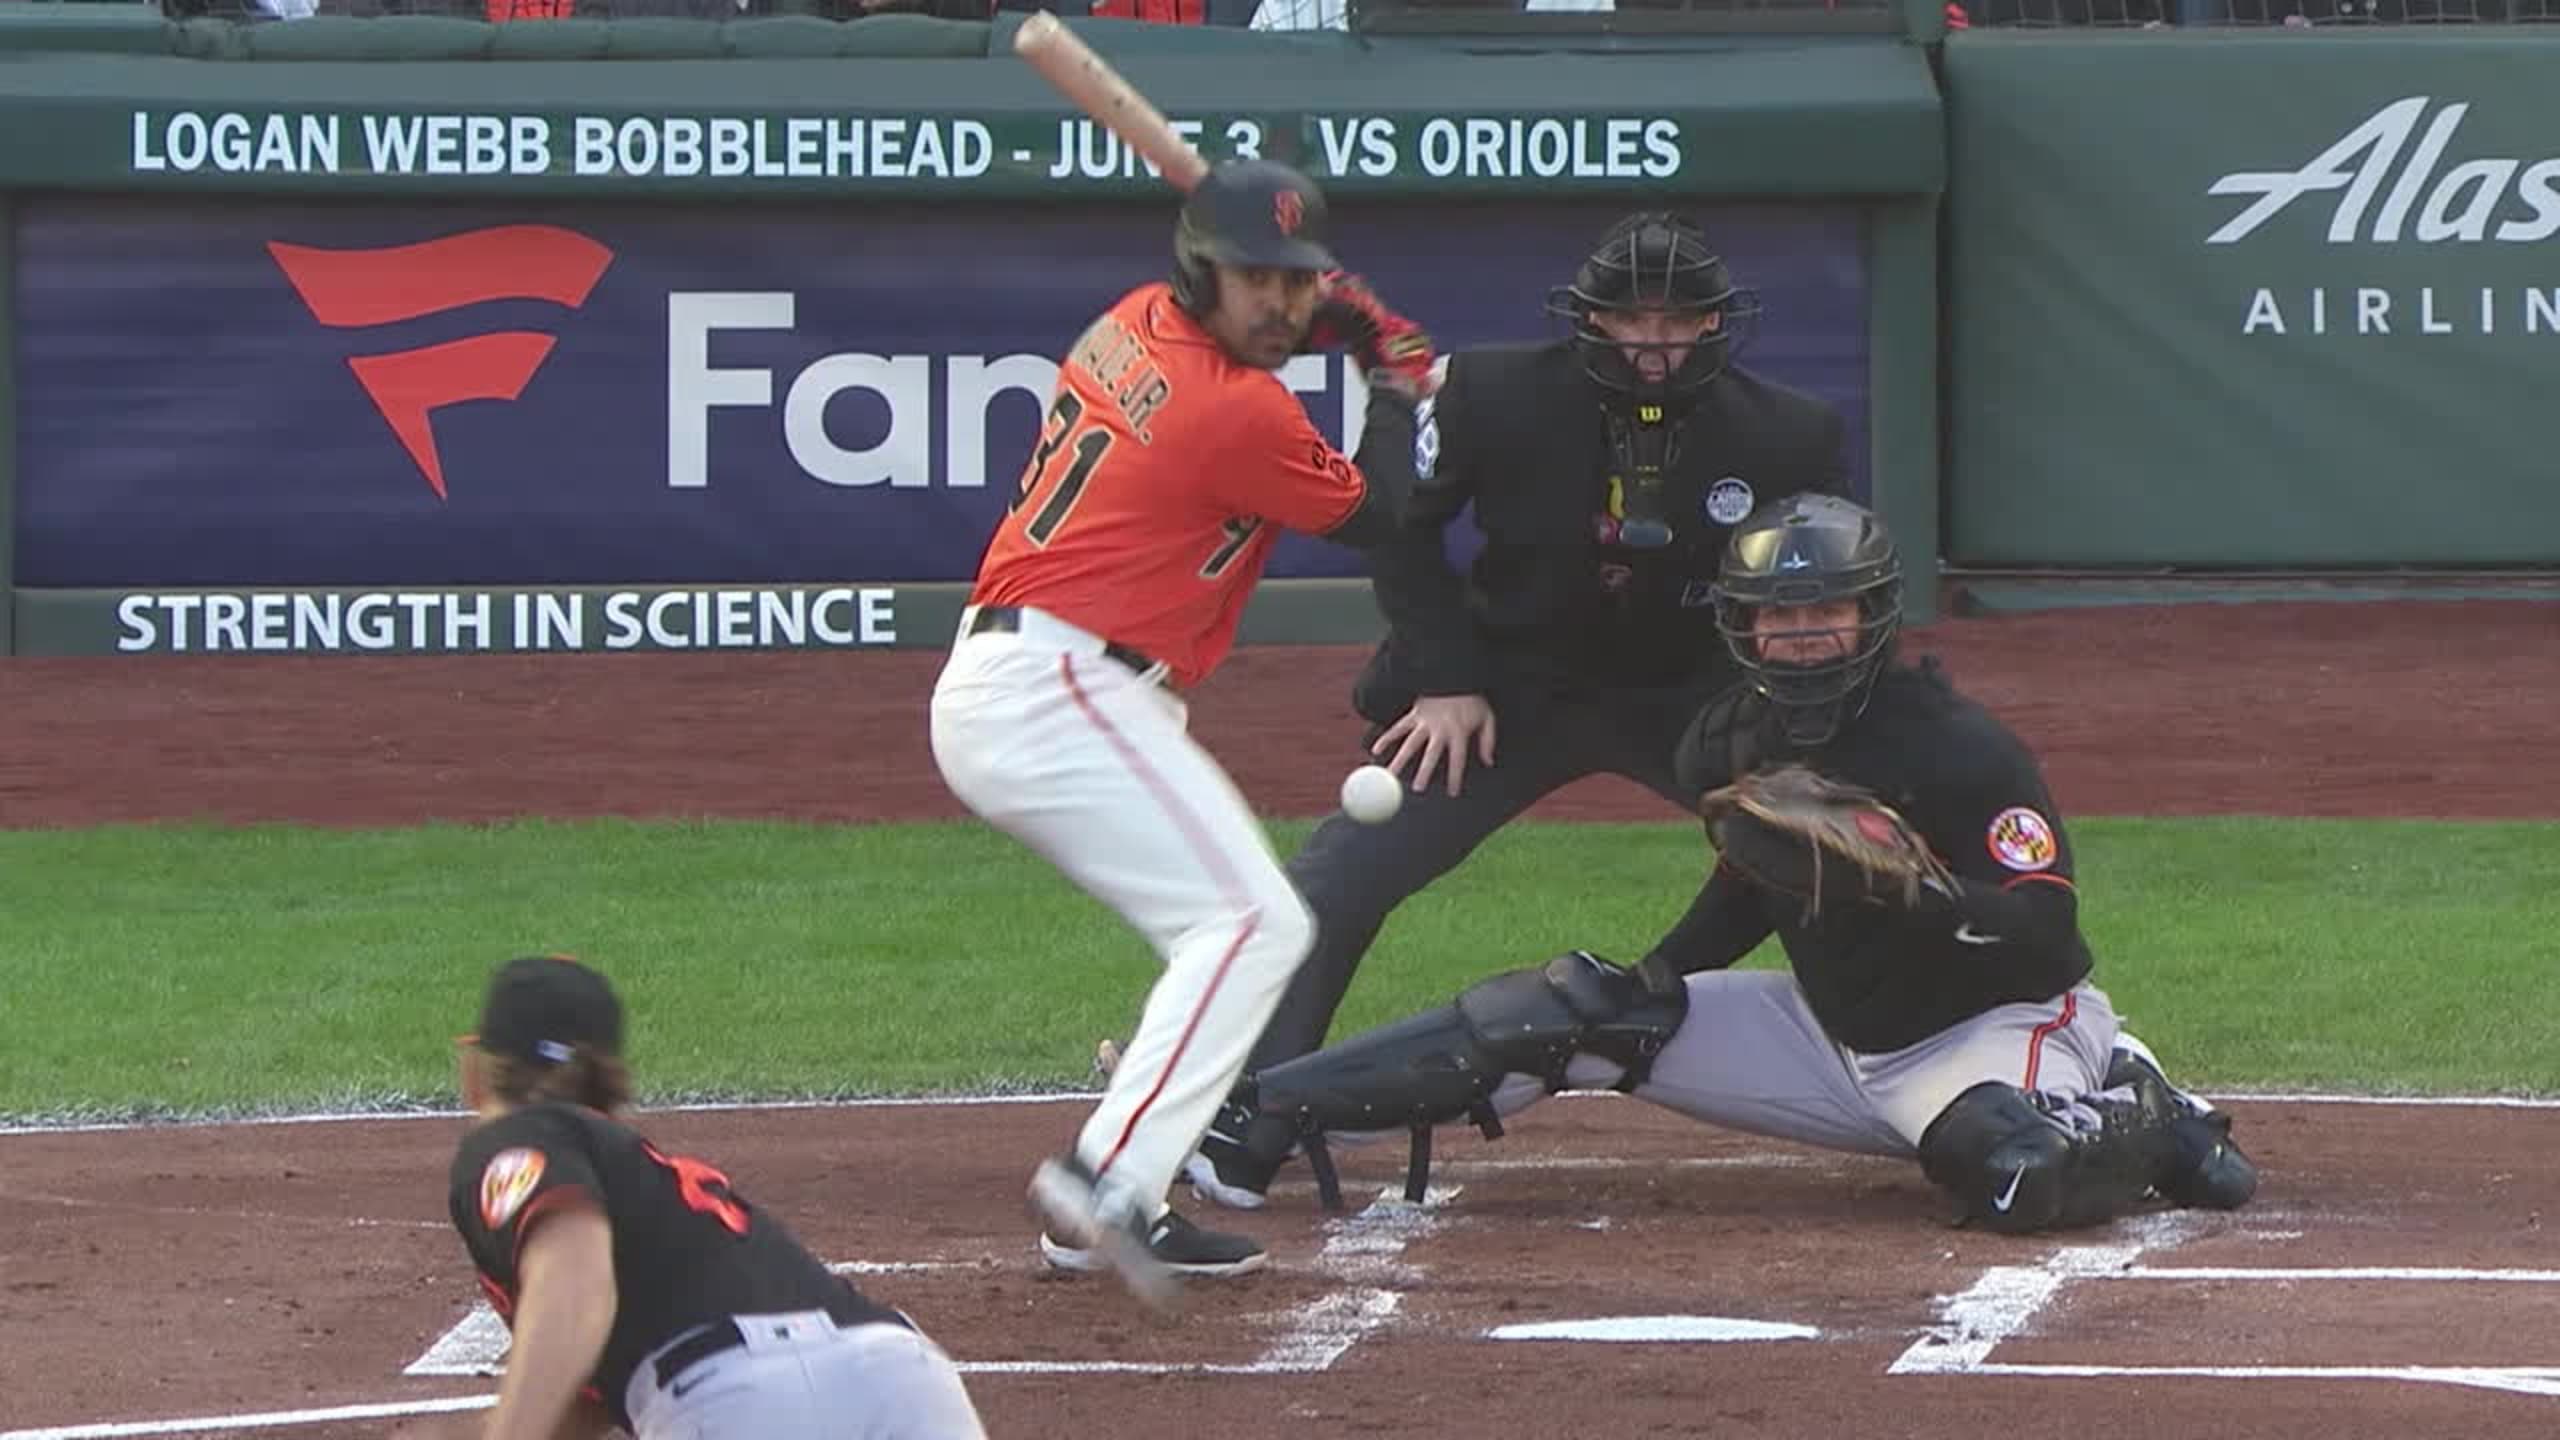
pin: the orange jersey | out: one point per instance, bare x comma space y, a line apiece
1164, 471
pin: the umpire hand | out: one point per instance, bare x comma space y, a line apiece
1438, 728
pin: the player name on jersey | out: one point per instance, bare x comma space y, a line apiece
1117, 361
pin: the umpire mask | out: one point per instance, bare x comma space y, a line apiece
1653, 264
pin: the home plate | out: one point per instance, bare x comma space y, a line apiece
1657, 1328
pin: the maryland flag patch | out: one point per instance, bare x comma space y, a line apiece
506, 1183
2023, 840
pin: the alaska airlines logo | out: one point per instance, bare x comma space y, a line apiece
353, 288
2427, 202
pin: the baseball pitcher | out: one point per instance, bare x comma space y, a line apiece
644, 1293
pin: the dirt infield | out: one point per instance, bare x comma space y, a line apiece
2389, 1280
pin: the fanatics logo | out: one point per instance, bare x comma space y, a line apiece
351, 288
1288, 211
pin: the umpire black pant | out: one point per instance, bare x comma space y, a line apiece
1353, 875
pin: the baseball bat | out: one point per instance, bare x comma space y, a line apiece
1100, 91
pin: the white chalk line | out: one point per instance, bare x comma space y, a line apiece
476, 1345
1362, 1251
707, 1107
268, 1420
2006, 1299
2429, 1273
207, 1212
2520, 1380
1366, 1253
1750, 1160
894, 1102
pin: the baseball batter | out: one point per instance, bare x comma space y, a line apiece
644, 1290
1171, 459
1958, 1026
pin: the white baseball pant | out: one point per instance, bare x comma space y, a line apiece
799, 1377
1091, 764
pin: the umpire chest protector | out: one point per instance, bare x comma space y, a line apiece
1599, 510
1544, 448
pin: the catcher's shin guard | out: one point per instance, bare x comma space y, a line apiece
1446, 1064
2016, 1168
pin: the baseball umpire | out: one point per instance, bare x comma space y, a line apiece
643, 1289
1952, 1021
1605, 471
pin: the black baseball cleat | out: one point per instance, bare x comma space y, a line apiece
1100, 1230
2211, 1172
1086, 1227
1175, 1244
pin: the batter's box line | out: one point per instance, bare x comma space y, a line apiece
2514, 1379
2006, 1299
1364, 1251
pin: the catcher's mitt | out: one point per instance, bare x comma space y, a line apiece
1832, 820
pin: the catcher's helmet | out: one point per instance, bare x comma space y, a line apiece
1654, 260
1806, 550
1247, 212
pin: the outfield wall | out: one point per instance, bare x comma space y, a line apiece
426, 335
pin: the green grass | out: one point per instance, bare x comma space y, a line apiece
158, 969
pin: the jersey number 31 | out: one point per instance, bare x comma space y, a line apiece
1090, 446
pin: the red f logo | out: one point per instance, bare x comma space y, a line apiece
402, 282
1288, 211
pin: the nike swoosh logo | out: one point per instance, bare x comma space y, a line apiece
683, 1388
2001, 1202
1971, 936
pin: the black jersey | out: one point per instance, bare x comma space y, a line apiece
1882, 977
687, 1247
1519, 434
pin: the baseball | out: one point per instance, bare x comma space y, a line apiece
1371, 794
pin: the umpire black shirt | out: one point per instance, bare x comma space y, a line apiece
1519, 432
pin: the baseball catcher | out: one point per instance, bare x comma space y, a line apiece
1604, 471
1901, 844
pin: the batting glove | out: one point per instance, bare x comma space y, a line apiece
1353, 318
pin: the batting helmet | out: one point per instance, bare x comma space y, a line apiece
1246, 212
1809, 550
1654, 260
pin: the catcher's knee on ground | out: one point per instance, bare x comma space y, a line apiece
1446, 1064
2014, 1167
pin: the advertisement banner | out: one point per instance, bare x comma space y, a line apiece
835, 151
2300, 315
336, 395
